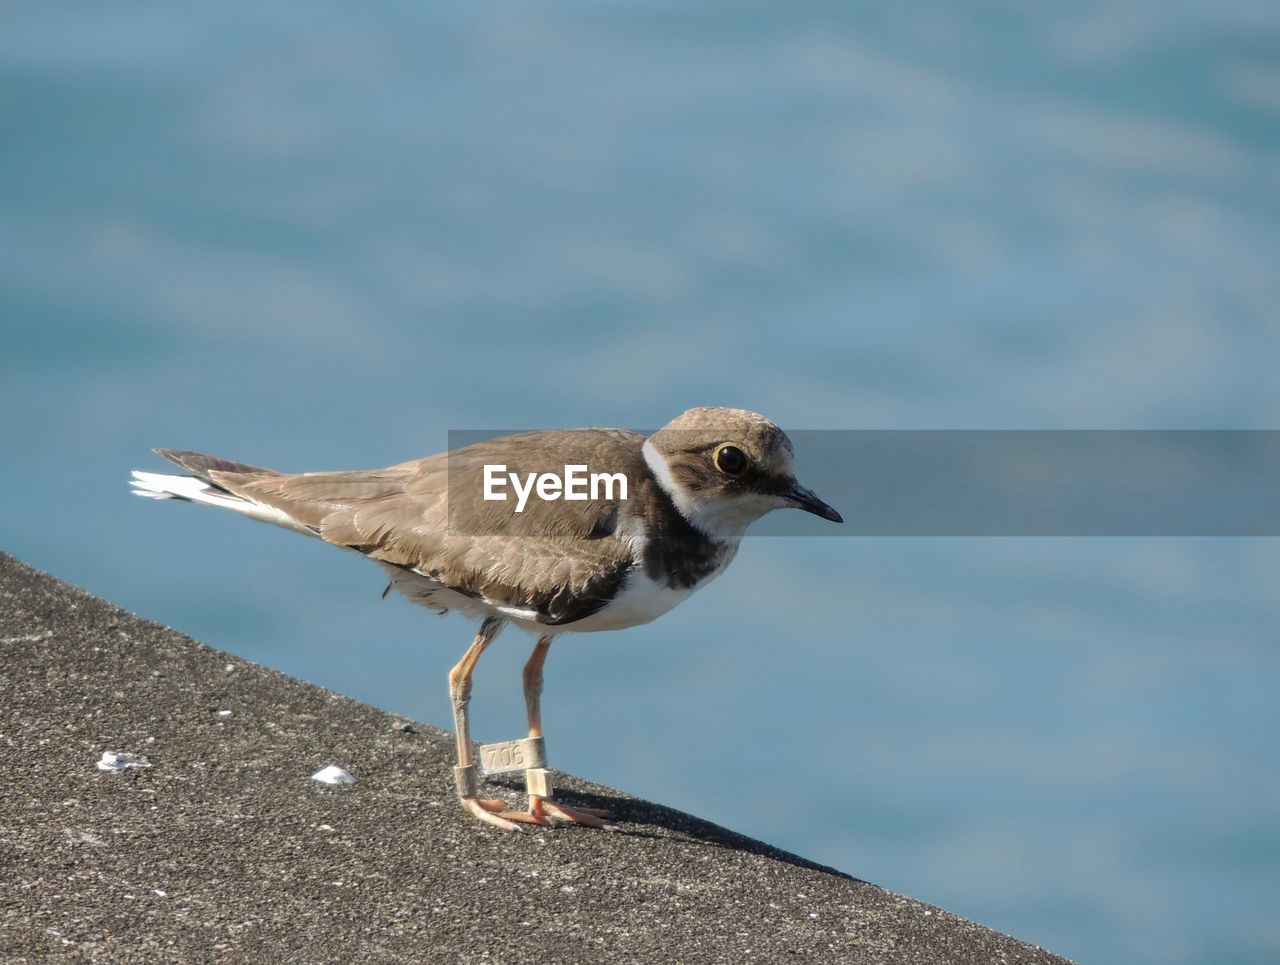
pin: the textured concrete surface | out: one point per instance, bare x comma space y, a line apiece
225, 849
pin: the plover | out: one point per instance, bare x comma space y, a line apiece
552, 565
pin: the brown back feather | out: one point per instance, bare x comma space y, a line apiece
401, 515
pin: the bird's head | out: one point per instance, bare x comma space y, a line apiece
725, 468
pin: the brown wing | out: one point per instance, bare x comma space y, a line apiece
563, 559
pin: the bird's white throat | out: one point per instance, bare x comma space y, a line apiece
720, 518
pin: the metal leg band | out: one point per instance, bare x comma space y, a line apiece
466, 781
517, 755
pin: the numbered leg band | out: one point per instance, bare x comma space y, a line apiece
517, 755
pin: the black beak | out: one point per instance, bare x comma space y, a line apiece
802, 498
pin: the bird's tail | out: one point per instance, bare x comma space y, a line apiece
200, 487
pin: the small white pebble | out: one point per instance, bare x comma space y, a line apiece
224, 713
161, 892
333, 774
813, 914
324, 827
116, 761
229, 667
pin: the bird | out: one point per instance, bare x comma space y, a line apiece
450, 537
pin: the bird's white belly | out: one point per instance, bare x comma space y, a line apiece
639, 601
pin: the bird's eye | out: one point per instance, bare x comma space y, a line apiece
730, 460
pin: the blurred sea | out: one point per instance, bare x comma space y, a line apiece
311, 235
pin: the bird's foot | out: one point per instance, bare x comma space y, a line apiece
537, 781
541, 811
493, 812
563, 814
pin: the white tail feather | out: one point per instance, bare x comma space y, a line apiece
156, 485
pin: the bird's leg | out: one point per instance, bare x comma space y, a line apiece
541, 810
538, 779
460, 694
533, 685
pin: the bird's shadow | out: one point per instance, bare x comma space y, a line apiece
633, 816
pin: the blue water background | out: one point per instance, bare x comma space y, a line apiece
316, 235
